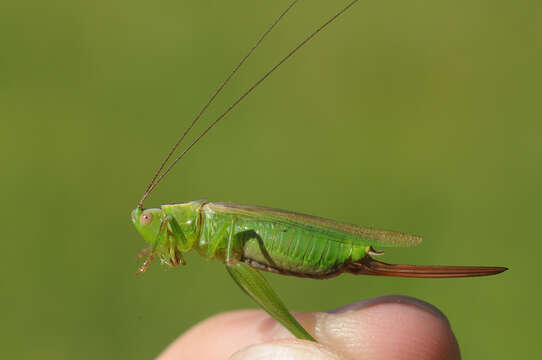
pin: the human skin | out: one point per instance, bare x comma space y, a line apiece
387, 327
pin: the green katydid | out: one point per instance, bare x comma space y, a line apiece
249, 238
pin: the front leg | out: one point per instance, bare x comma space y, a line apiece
161, 232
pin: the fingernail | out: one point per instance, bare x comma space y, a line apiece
397, 299
298, 350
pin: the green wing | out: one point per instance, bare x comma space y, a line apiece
338, 230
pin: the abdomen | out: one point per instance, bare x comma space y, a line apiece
295, 250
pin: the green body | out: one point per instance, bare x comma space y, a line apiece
273, 245
267, 239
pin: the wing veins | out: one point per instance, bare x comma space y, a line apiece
337, 231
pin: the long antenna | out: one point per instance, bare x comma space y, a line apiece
236, 102
218, 90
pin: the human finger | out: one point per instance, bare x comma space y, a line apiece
380, 328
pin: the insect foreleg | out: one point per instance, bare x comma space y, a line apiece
255, 285
163, 229
143, 253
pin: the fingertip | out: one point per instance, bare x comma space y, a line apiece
387, 328
398, 299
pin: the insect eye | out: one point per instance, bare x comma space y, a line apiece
145, 218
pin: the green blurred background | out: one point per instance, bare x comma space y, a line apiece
417, 116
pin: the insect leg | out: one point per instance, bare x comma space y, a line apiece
178, 238
143, 253
163, 229
255, 285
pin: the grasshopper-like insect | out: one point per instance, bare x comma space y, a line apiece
249, 238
